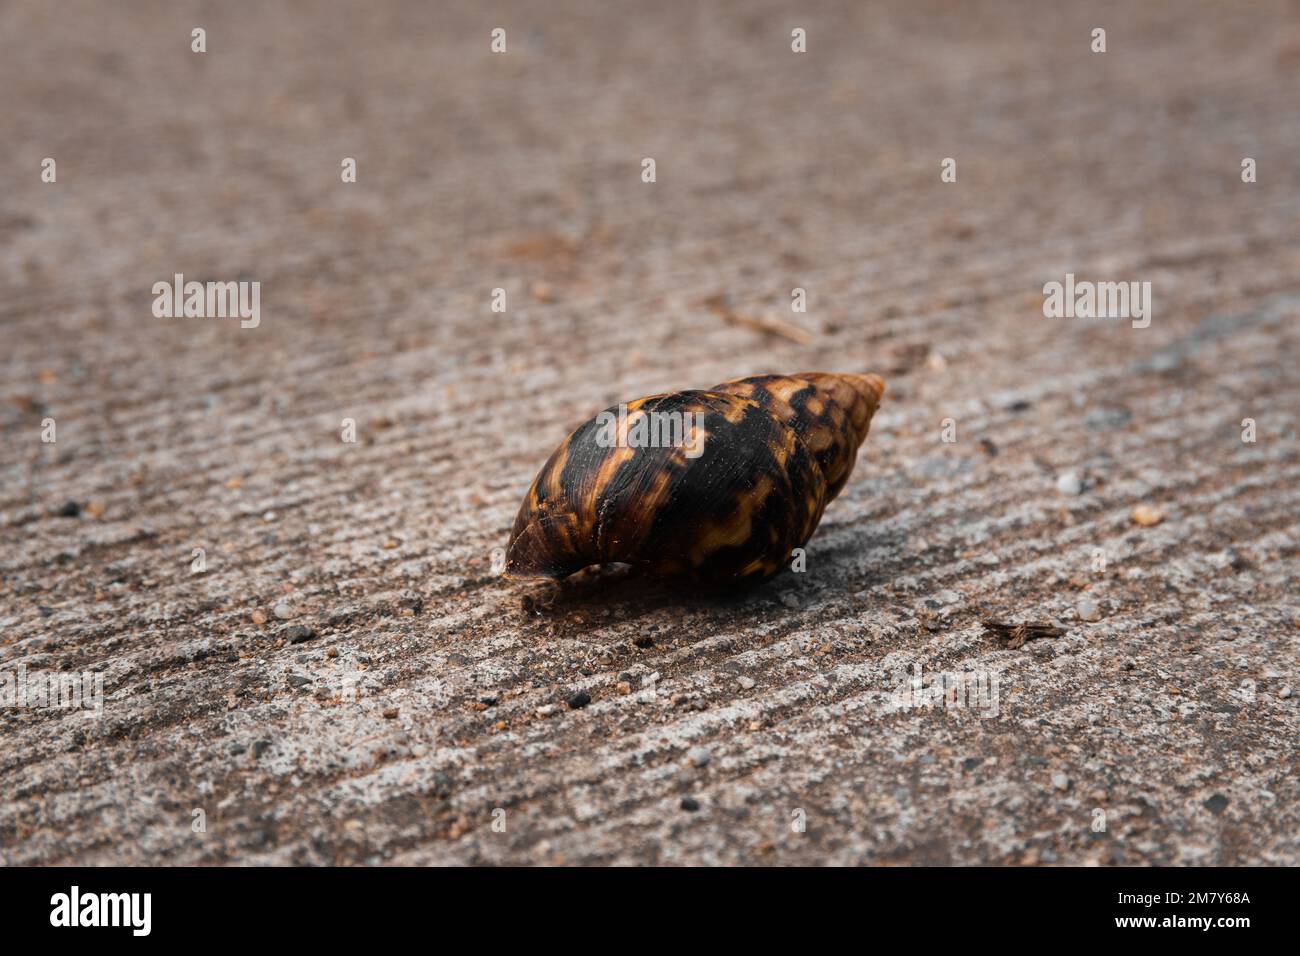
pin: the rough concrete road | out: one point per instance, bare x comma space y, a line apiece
305, 654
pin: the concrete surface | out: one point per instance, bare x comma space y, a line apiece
422, 694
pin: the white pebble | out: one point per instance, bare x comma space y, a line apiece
1069, 483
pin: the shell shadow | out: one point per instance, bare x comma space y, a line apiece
625, 588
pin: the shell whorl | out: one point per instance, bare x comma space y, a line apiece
776, 449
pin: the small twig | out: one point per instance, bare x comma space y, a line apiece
1015, 635
720, 305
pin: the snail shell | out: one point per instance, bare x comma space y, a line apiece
757, 462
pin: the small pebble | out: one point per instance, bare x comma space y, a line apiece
299, 680
1060, 781
1216, 804
579, 700
390, 713
699, 757
1147, 516
1088, 610
70, 509
1069, 484
690, 804
1284, 693
624, 688
746, 683
283, 611
298, 633
789, 600
547, 710
259, 616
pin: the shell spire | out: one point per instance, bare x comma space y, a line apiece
830, 411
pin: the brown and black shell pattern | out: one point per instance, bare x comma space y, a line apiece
776, 449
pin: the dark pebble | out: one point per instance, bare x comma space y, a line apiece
1216, 804
45, 611
260, 747
490, 701
298, 633
443, 784
644, 640
690, 804
70, 509
579, 700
